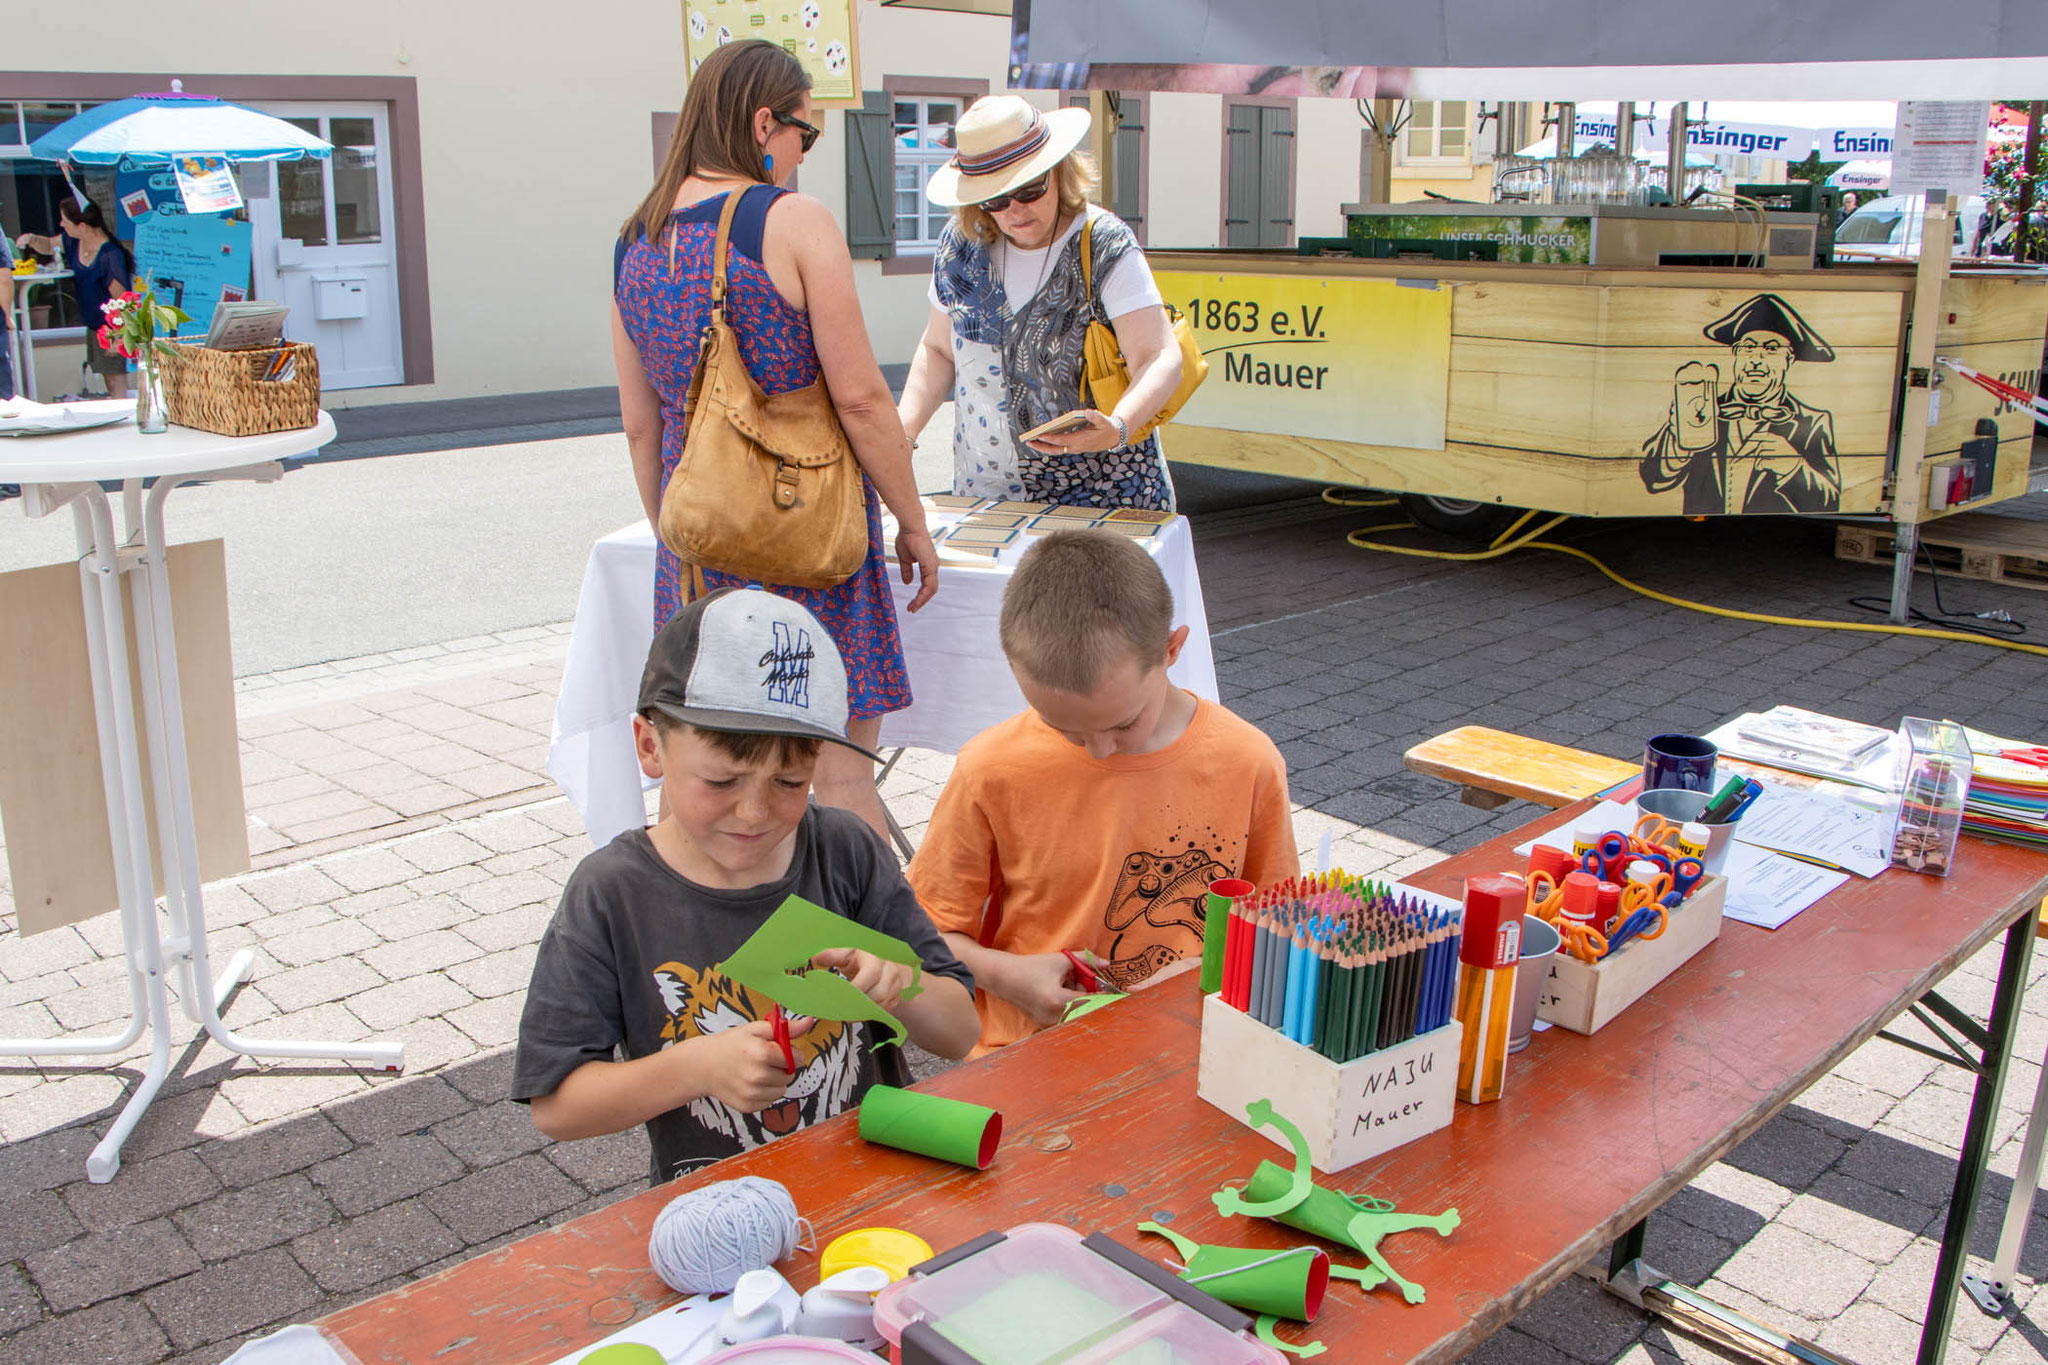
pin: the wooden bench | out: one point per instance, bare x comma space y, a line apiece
1493, 767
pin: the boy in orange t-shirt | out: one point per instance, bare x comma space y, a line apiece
1094, 822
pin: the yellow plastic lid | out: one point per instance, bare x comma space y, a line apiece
891, 1250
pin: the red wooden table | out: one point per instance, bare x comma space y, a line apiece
1102, 1129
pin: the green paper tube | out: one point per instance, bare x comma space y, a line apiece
931, 1125
1324, 1213
1288, 1284
1216, 929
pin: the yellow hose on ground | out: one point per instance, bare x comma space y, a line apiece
1503, 545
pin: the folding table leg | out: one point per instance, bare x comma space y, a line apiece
1993, 1289
1995, 1041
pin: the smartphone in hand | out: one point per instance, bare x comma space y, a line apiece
1076, 420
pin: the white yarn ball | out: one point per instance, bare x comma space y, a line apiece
706, 1239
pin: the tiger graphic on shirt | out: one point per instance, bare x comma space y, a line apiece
707, 1002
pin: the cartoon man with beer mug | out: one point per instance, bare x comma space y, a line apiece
1751, 447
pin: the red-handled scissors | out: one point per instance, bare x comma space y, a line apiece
1083, 971
2034, 756
788, 1026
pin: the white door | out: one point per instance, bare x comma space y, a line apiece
326, 245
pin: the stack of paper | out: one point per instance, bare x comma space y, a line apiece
2008, 799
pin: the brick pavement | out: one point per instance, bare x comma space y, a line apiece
412, 852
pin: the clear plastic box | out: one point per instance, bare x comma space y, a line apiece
1935, 763
1039, 1295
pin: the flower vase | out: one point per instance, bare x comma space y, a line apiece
151, 416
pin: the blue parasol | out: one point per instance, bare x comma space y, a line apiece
151, 129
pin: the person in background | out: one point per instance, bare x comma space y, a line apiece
100, 270
1010, 309
7, 321
746, 122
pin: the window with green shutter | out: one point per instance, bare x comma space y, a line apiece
870, 177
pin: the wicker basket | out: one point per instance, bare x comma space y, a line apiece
223, 391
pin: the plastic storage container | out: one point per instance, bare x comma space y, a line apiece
1933, 778
1041, 1293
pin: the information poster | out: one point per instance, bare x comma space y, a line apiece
195, 261
1940, 144
1348, 359
206, 184
140, 193
821, 34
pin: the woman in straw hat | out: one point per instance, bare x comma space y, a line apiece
746, 122
1009, 310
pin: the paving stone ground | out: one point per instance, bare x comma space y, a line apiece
410, 851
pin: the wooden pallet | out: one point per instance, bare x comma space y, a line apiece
1979, 545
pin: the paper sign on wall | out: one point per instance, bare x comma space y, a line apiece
820, 34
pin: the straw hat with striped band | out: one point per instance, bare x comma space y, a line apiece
1004, 141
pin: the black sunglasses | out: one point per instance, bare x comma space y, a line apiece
1023, 194
810, 133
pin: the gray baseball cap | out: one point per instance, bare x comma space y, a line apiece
749, 662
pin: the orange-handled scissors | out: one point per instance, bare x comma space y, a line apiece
1658, 832
1647, 897
1546, 897
1582, 941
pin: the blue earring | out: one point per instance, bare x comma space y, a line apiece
770, 159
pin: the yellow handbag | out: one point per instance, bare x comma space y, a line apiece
767, 487
1105, 376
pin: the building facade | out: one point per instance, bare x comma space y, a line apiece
458, 243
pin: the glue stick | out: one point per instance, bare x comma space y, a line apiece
1587, 837
1486, 983
1692, 839
1581, 897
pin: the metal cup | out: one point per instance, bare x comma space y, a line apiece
1679, 807
1540, 943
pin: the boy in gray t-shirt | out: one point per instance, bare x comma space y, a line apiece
626, 1021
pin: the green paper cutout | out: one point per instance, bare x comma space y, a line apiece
1186, 1246
1367, 1276
774, 959
1083, 1005
1358, 1222
931, 1125
1229, 1200
1264, 1332
1252, 1278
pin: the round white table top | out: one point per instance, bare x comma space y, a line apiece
119, 451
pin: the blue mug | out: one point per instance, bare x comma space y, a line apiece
1682, 761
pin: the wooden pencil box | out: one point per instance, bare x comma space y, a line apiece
1349, 1113
1583, 997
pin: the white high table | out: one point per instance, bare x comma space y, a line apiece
67, 470
21, 341
959, 680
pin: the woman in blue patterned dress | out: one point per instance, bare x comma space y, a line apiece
1010, 309
746, 122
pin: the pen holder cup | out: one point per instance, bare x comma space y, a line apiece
1539, 942
1683, 807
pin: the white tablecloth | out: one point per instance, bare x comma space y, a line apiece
958, 676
